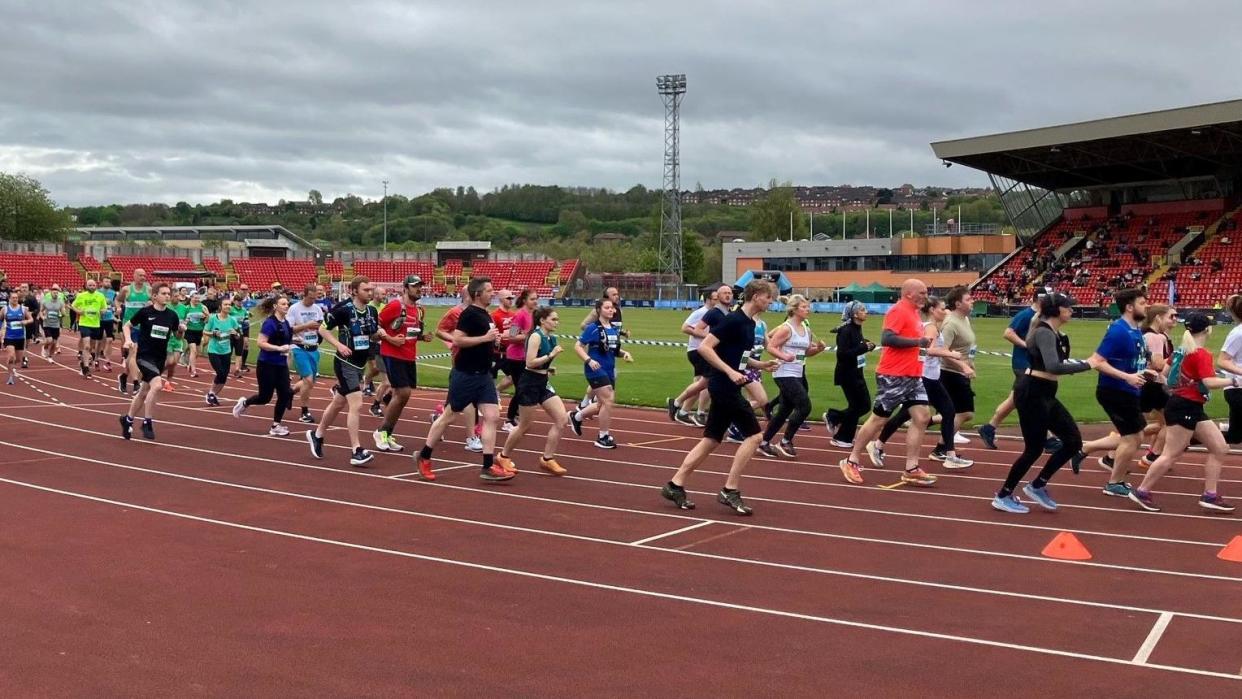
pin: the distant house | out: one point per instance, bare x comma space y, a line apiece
730, 236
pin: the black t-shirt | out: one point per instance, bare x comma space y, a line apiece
154, 329
32, 304
736, 334
355, 328
713, 317
474, 322
212, 305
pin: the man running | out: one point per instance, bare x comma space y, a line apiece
129, 301
357, 326
306, 319
401, 329
51, 310
146, 335
444, 332
956, 374
698, 386
898, 383
90, 306
32, 300
107, 324
727, 348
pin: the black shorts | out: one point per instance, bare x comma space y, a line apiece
701, 367
401, 373
239, 345
470, 389
151, 367
960, 391
19, 345
90, 333
533, 389
729, 407
1184, 413
1153, 396
513, 368
1122, 408
348, 376
193, 337
108, 328
51, 333
601, 381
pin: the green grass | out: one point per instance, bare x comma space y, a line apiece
659, 372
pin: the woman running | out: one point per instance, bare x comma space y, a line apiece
598, 348
1191, 377
852, 351
16, 319
791, 342
1039, 411
533, 390
195, 321
272, 367
221, 330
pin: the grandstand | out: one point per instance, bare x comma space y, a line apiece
1147, 199
41, 270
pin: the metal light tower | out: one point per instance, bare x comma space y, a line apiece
672, 88
385, 215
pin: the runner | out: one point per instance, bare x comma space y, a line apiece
357, 325
502, 318
306, 320
470, 382
243, 305
107, 324
1121, 360
755, 391
899, 383
1192, 377
129, 301
1039, 410
1229, 360
792, 343
176, 345
195, 321
444, 331
90, 305
16, 320
146, 335
514, 340
533, 390
598, 347
222, 330
402, 327
32, 300
272, 366
375, 366
852, 351
611, 294
956, 374
51, 310
727, 349
1019, 361
697, 388
1154, 395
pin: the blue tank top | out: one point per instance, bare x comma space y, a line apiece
108, 312
14, 322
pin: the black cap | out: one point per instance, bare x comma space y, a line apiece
413, 280
1053, 301
1198, 322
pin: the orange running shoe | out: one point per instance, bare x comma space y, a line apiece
850, 470
917, 476
551, 466
424, 470
169, 387
505, 463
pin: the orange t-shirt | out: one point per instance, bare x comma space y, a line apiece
904, 320
503, 320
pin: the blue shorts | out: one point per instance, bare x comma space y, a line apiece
306, 361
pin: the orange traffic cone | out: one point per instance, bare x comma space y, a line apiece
1232, 550
1067, 547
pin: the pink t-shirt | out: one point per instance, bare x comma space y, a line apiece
521, 325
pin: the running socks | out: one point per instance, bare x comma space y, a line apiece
425, 452
487, 461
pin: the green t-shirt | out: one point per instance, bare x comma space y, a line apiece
196, 317
217, 333
91, 305
135, 300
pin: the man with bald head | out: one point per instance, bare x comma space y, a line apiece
129, 301
899, 383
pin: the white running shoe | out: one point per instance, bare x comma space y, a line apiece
960, 438
957, 463
278, 431
239, 407
381, 440
474, 444
508, 426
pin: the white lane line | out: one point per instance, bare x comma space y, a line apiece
1157, 630
590, 584
675, 532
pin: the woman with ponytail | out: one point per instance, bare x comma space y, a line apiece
272, 368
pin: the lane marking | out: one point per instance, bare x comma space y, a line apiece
891, 486
657, 441
675, 532
706, 540
1149, 644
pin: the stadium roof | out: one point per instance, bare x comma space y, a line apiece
1186, 143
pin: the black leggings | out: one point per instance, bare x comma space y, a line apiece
859, 398
1039, 412
273, 378
939, 399
220, 365
1233, 397
519, 368
794, 406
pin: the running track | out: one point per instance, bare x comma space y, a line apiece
218, 560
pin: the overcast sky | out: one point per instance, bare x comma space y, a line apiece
143, 101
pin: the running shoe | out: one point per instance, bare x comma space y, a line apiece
508, 426
551, 466
12, 380
575, 423
804, 427
850, 470
685, 418
957, 463
1146, 460
86, 371
605, 441
127, 426
393, 445
278, 431
1213, 501
424, 469
1143, 499
677, 495
938, 453
376, 410
672, 409
699, 419
506, 463
474, 444
841, 445
732, 499
1041, 496
239, 407
1052, 445
122, 383
148, 429
875, 452
369, 389
959, 438
917, 476
49, 357
135, 388
380, 438
494, 474
307, 418
1076, 462
316, 444
108, 367
168, 386
988, 434
735, 435
25, 362
786, 449
767, 450
1118, 490
213, 400
1010, 504
435, 414
360, 457
1106, 462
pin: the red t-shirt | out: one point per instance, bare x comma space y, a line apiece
1196, 366
903, 319
412, 327
503, 319
448, 323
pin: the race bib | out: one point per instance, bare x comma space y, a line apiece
800, 358
862, 361
159, 332
53, 315
923, 354
195, 318
613, 343
310, 338
972, 351
413, 331
135, 304
742, 365
362, 342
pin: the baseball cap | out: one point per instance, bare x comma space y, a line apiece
413, 280
1198, 322
1054, 300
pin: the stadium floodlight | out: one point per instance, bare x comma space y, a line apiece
671, 84
671, 88
385, 215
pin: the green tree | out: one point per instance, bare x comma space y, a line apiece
27, 211
692, 258
770, 213
314, 197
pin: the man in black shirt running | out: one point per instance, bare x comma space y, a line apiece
727, 350
155, 324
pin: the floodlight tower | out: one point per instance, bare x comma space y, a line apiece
671, 88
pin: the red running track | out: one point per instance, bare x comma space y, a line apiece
217, 560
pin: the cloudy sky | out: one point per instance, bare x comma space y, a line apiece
197, 100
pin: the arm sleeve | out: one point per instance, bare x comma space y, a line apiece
1046, 345
891, 339
850, 344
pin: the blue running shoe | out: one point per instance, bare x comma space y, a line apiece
1040, 495
735, 435
1010, 504
1117, 490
